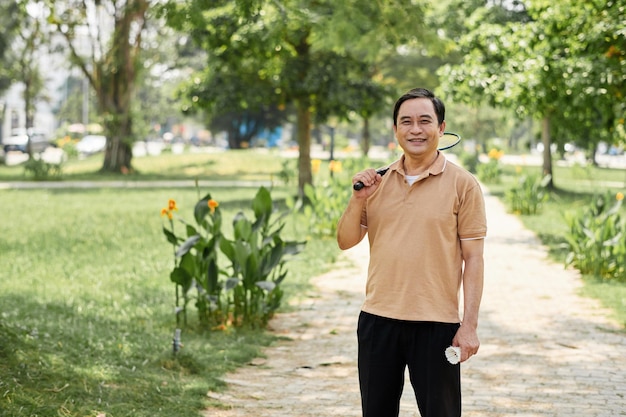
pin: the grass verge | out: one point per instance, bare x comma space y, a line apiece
86, 317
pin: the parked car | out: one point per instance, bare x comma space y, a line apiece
36, 141
91, 144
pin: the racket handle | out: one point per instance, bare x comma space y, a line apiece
359, 185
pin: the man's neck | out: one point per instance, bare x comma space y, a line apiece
419, 165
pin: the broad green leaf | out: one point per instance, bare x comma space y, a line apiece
212, 277
266, 285
181, 277
231, 283
262, 204
171, 237
228, 248
242, 227
187, 245
201, 209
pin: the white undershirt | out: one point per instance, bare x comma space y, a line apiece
411, 178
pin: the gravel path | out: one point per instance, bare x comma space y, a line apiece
545, 350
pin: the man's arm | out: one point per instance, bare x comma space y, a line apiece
473, 274
349, 229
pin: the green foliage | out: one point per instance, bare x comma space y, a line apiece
42, 170
597, 238
248, 293
528, 195
324, 203
489, 172
562, 61
288, 171
470, 161
257, 254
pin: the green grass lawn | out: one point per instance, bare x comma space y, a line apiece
87, 308
218, 165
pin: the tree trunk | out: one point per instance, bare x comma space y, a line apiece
117, 157
118, 152
366, 140
115, 80
304, 144
547, 153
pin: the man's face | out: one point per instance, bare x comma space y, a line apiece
417, 129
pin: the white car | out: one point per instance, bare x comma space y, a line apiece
91, 144
21, 142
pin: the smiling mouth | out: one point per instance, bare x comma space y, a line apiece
417, 140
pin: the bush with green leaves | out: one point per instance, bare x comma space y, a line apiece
469, 160
528, 195
247, 292
42, 170
289, 171
597, 238
324, 203
489, 172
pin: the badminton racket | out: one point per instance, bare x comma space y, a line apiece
446, 141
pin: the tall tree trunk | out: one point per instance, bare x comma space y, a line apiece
547, 153
115, 76
304, 143
366, 140
118, 153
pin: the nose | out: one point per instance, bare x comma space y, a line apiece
415, 127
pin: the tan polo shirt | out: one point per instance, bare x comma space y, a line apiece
415, 235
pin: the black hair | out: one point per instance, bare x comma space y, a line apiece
440, 109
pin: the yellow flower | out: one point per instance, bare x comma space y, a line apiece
315, 165
495, 154
213, 205
619, 196
171, 205
335, 166
518, 169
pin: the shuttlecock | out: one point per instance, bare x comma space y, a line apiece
453, 354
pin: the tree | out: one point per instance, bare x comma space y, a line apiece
551, 65
310, 54
105, 42
10, 20
30, 42
236, 99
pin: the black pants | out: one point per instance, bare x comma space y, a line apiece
387, 347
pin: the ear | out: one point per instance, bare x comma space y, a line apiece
442, 128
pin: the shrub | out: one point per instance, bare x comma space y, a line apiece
324, 203
42, 170
288, 171
597, 238
490, 171
470, 161
248, 292
528, 195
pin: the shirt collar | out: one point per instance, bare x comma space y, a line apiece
435, 169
